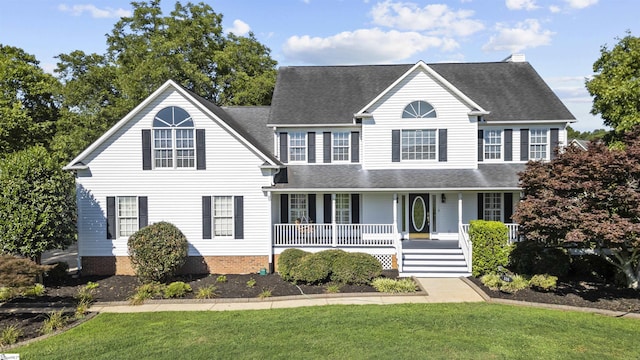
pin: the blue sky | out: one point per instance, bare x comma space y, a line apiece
560, 38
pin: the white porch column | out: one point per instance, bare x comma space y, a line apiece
459, 210
334, 228
271, 231
395, 213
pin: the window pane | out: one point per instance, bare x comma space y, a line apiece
173, 138
341, 146
127, 214
185, 153
418, 110
418, 144
538, 144
223, 215
493, 206
343, 202
492, 144
298, 207
297, 146
162, 143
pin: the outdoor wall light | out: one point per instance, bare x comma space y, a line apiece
443, 198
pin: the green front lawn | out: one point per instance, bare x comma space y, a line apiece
411, 331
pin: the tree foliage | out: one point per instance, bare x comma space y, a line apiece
615, 87
37, 204
590, 199
148, 48
29, 104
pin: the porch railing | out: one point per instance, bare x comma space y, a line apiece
465, 244
512, 230
333, 235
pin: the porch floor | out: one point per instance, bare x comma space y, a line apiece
430, 244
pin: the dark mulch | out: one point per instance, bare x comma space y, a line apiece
121, 288
580, 292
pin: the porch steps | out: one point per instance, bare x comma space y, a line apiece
436, 262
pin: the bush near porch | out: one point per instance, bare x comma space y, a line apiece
491, 247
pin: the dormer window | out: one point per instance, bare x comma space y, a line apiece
419, 110
173, 139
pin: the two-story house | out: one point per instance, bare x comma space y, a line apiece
392, 160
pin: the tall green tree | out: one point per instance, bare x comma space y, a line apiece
615, 87
589, 199
146, 49
29, 104
37, 204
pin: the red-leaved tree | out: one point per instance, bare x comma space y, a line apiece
588, 198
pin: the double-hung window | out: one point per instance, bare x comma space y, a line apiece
343, 207
341, 146
127, 215
418, 145
492, 207
297, 146
298, 207
538, 144
493, 144
223, 215
173, 139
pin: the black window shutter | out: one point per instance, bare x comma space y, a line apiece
395, 145
355, 147
524, 144
311, 198
284, 147
480, 206
355, 208
480, 145
508, 144
146, 149
326, 147
555, 142
442, 145
143, 218
201, 153
238, 220
111, 217
284, 208
206, 217
508, 207
327, 208
311, 147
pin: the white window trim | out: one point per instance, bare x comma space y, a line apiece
436, 145
547, 144
213, 217
485, 144
119, 217
333, 138
305, 147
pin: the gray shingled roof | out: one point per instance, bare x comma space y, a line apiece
511, 91
316, 177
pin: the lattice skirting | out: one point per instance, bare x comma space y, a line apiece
386, 260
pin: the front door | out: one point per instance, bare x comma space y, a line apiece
419, 216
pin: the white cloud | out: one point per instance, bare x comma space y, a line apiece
521, 4
554, 9
437, 19
526, 34
240, 28
365, 46
95, 12
581, 4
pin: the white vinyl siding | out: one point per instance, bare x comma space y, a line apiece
175, 196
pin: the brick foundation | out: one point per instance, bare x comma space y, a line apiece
121, 265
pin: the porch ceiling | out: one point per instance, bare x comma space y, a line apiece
353, 177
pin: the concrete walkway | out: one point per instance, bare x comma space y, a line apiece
435, 290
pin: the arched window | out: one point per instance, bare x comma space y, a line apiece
173, 139
419, 110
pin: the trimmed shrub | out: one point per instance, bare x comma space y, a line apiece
530, 257
387, 285
491, 247
18, 272
492, 281
356, 268
543, 282
177, 289
157, 251
287, 260
517, 283
312, 269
